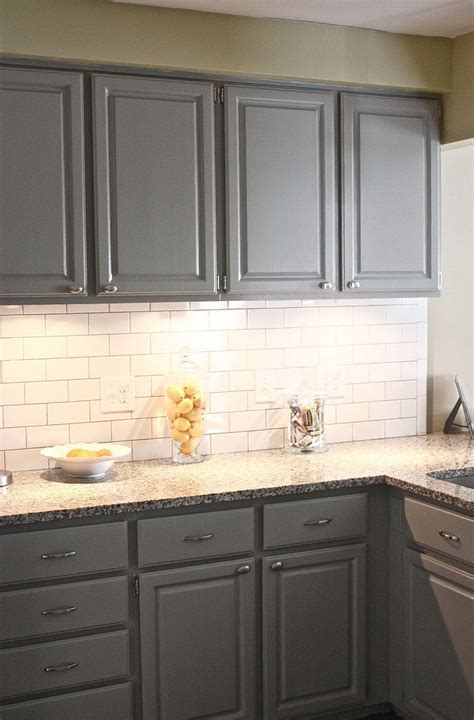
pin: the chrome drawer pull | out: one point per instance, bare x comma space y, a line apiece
197, 538
448, 536
61, 668
59, 556
243, 569
311, 523
277, 565
60, 611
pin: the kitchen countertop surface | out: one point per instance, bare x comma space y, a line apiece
43, 495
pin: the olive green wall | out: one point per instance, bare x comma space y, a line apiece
459, 105
101, 31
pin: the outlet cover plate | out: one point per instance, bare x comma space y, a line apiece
117, 394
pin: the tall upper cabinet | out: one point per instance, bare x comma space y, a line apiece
281, 191
154, 186
42, 225
390, 186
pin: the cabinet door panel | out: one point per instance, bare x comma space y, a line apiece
198, 642
281, 196
390, 193
154, 174
314, 631
42, 233
439, 639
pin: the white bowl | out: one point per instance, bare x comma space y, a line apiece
93, 467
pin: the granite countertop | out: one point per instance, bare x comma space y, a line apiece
154, 484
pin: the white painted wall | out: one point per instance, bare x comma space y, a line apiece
451, 317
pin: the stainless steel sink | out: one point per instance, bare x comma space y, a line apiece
460, 476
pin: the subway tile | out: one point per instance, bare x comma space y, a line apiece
243, 304
111, 323
268, 318
366, 392
246, 339
23, 326
386, 333
219, 382
2, 459
371, 315
11, 310
402, 352
369, 354
109, 366
409, 333
298, 317
89, 346
23, 370
29, 459
352, 412
136, 429
265, 359
242, 380
385, 410
67, 369
380, 372
283, 338
12, 438
229, 442
352, 301
278, 418
422, 350
300, 357
318, 336
90, 432
67, 325
192, 320
149, 364
146, 407
247, 420
206, 341
385, 301
84, 389
11, 348
218, 422
50, 347
44, 309
68, 412
12, 394
368, 430
24, 415
400, 390
403, 427
336, 316
401, 314
421, 415
151, 449
341, 355
422, 310
265, 439
97, 415
90, 308
339, 433
45, 392
356, 374
409, 370
228, 402
159, 427
228, 360
282, 303
409, 408
46, 435
209, 305
143, 386
252, 403
122, 307
167, 306
352, 335
228, 320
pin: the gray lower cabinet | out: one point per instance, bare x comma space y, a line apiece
439, 639
281, 191
197, 629
390, 186
42, 226
154, 186
314, 631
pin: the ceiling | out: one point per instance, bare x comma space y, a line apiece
447, 18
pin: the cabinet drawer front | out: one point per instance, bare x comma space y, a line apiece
76, 606
447, 532
64, 663
311, 521
66, 551
111, 702
186, 537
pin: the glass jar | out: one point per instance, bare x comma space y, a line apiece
306, 422
186, 389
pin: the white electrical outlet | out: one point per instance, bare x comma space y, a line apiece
264, 387
117, 394
331, 379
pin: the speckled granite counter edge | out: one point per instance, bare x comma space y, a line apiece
234, 496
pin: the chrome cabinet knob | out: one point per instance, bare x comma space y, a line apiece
353, 285
277, 565
243, 569
110, 289
325, 286
76, 290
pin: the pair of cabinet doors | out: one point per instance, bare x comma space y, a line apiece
292, 182
200, 629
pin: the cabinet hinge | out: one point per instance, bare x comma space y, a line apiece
224, 283
136, 585
219, 94
218, 283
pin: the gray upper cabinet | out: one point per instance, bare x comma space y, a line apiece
281, 191
439, 639
390, 185
314, 631
42, 230
197, 629
154, 186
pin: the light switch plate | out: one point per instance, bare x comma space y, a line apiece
117, 394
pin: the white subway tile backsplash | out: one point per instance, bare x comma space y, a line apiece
51, 359
28, 459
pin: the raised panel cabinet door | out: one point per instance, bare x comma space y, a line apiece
154, 186
314, 609
281, 191
197, 630
390, 185
439, 639
42, 226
